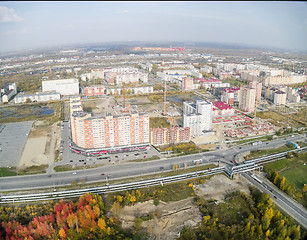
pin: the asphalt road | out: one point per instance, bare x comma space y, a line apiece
286, 203
124, 170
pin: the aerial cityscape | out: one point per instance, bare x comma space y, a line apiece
153, 120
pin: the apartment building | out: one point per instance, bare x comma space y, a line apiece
7, 92
187, 84
96, 90
62, 86
247, 98
280, 97
197, 116
212, 83
258, 87
37, 97
163, 136
108, 130
221, 109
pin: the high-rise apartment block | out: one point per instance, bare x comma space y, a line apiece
108, 130
197, 116
247, 98
258, 87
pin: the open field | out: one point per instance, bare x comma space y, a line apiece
265, 152
296, 120
293, 169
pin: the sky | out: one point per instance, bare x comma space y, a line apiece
29, 25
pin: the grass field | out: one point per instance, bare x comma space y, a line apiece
259, 153
6, 172
293, 169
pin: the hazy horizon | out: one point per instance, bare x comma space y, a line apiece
33, 25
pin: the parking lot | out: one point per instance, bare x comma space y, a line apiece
13, 137
75, 159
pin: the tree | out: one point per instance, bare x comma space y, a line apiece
305, 188
116, 209
62, 233
282, 183
137, 224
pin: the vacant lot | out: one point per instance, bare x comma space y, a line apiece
170, 217
297, 119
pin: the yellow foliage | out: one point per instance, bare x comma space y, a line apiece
102, 224
119, 198
132, 199
62, 233
206, 218
191, 185
96, 211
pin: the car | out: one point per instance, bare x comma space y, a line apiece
102, 174
49, 175
74, 173
275, 197
116, 156
71, 161
161, 168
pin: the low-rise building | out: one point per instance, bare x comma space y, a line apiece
8, 91
37, 97
62, 86
163, 136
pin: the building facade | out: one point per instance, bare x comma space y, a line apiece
8, 92
187, 84
280, 97
258, 87
97, 90
247, 99
109, 130
163, 136
197, 116
62, 86
37, 97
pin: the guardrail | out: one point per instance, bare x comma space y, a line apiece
247, 166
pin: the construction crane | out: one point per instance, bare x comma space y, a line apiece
255, 112
164, 109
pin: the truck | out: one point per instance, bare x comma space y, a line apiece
256, 178
295, 145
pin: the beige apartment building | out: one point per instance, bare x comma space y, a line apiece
247, 99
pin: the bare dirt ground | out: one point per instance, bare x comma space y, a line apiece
39, 148
170, 218
220, 185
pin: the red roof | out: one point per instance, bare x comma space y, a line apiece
221, 105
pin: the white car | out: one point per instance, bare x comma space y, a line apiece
74, 173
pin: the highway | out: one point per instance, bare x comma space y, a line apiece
287, 204
283, 201
132, 169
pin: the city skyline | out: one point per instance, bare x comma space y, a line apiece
31, 25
